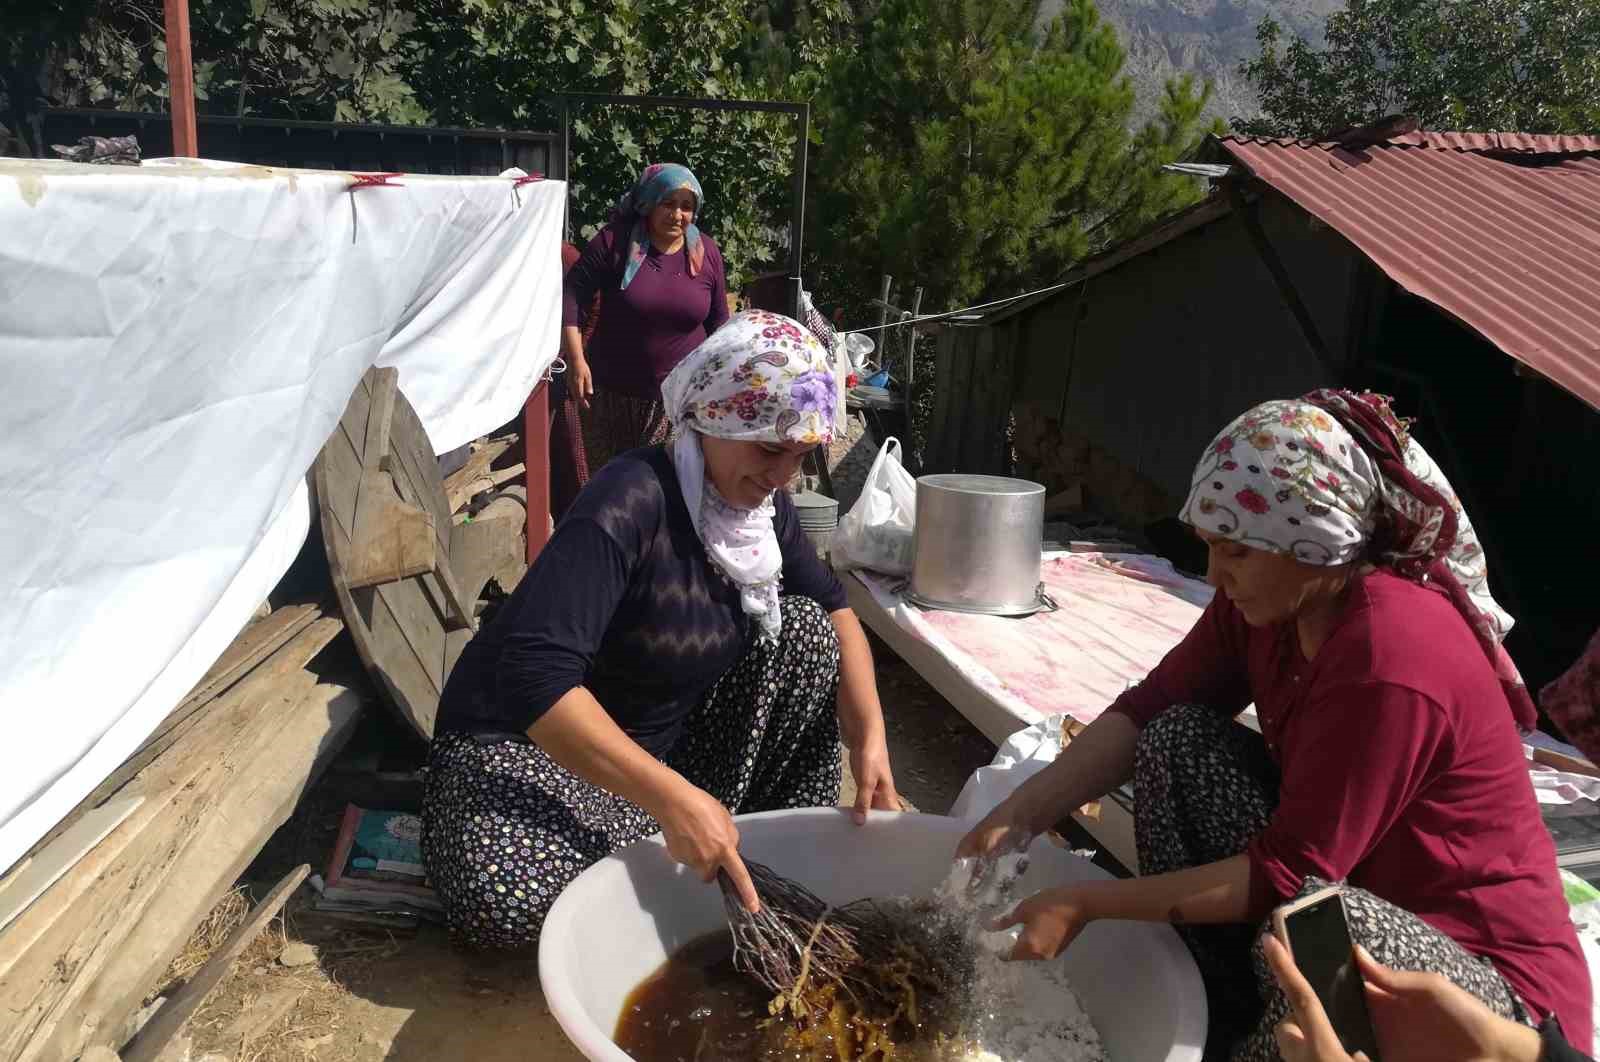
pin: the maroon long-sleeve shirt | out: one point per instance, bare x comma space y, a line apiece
1402, 772
645, 330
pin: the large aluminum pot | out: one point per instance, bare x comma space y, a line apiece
977, 545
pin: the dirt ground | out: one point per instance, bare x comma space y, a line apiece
370, 995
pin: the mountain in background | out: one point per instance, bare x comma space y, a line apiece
1208, 38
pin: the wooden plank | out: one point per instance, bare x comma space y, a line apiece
255, 643
409, 450
167, 774
339, 466
407, 621
459, 485
385, 384
40, 871
488, 549
458, 612
281, 758
392, 540
62, 943
353, 423
175, 1013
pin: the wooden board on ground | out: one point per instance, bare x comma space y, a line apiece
407, 596
170, 1019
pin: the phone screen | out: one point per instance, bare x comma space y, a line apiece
1319, 939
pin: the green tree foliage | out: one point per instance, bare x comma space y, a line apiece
1514, 65
967, 153
496, 62
328, 60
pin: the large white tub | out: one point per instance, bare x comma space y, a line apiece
618, 922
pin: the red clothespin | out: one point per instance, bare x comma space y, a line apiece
518, 182
367, 180
373, 180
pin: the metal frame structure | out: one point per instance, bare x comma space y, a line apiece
801, 112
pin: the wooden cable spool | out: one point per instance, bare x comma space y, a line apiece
407, 580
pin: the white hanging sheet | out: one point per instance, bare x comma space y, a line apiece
177, 341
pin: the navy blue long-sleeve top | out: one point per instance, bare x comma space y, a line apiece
623, 601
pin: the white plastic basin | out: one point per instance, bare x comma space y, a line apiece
618, 922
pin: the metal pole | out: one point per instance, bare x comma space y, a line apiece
536, 462
883, 320
180, 80
911, 340
797, 224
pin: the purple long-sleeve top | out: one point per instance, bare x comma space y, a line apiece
645, 330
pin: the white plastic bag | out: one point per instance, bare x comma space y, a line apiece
1024, 754
877, 531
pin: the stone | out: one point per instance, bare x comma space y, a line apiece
297, 953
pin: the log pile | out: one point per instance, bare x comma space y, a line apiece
206, 791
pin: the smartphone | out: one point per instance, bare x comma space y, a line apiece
1315, 931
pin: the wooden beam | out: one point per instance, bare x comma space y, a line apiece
380, 416
175, 1013
391, 540
1249, 214
180, 80
461, 485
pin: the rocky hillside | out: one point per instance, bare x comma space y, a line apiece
1209, 38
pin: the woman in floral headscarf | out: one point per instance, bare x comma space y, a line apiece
1354, 612
662, 289
677, 655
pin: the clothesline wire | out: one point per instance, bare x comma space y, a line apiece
958, 313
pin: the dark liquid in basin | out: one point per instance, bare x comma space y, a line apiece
698, 1008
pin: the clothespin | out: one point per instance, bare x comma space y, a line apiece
518, 182
367, 180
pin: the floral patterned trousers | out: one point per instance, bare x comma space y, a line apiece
1203, 788
505, 828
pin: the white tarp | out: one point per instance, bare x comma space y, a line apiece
176, 343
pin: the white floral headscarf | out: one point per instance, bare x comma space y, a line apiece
761, 377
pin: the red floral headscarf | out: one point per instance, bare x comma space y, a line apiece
1335, 477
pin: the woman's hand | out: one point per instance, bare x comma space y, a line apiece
869, 766
1416, 1017
1050, 920
1306, 1035
1010, 827
582, 380
701, 835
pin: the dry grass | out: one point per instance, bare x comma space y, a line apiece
310, 1026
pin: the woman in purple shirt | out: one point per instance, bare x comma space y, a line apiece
663, 290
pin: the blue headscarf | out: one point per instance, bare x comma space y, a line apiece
658, 181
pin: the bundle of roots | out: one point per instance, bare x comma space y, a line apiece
854, 981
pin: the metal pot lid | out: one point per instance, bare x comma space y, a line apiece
986, 486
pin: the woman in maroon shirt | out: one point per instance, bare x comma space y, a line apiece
1353, 611
663, 289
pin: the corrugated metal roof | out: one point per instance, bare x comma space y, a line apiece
1499, 230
